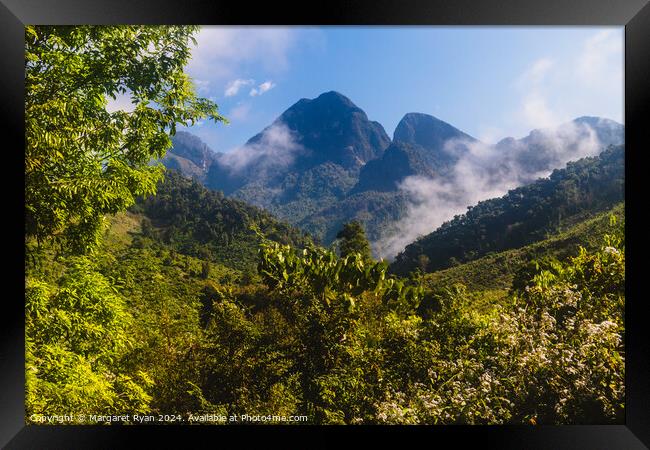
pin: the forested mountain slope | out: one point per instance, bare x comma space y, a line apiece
190, 156
323, 163
525, 215
496, 271
198, 221
284, 161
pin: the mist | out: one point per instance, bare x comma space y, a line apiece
482, 172
276, 149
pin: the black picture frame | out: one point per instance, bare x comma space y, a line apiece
633, 14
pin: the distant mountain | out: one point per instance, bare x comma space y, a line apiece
525, 215
306, 160
285, 156
432, 135
191, 147
546, 149
399, 161
609, 132
331, 129
189, 155
422, 145
322, 162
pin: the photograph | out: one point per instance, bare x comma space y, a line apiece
324, 225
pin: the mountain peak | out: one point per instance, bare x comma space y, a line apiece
191, 147
332, 101
334, 95
418, 116
426, 131
332, 128
607, 130
399, 161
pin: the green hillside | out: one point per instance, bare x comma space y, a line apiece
194, 220
496, 271
525, 215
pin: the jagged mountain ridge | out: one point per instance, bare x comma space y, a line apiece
322, 162
421, 146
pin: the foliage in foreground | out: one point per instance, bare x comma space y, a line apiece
77, 333
339, 340
555, 356
83, 160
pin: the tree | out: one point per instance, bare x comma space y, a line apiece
77, 339
324, 298
205, 270
423, 263
147, 228
81, 160
353, 240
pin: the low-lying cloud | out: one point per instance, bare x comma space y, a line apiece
486, 171
482, 172
276, 148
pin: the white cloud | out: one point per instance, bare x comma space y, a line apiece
490, 134
223, 51
266, 86
234, 86
592, 78
277, 148
533, 86
483, 172
537, 71
536, 111
262, 88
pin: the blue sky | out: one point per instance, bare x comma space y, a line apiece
490, 82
